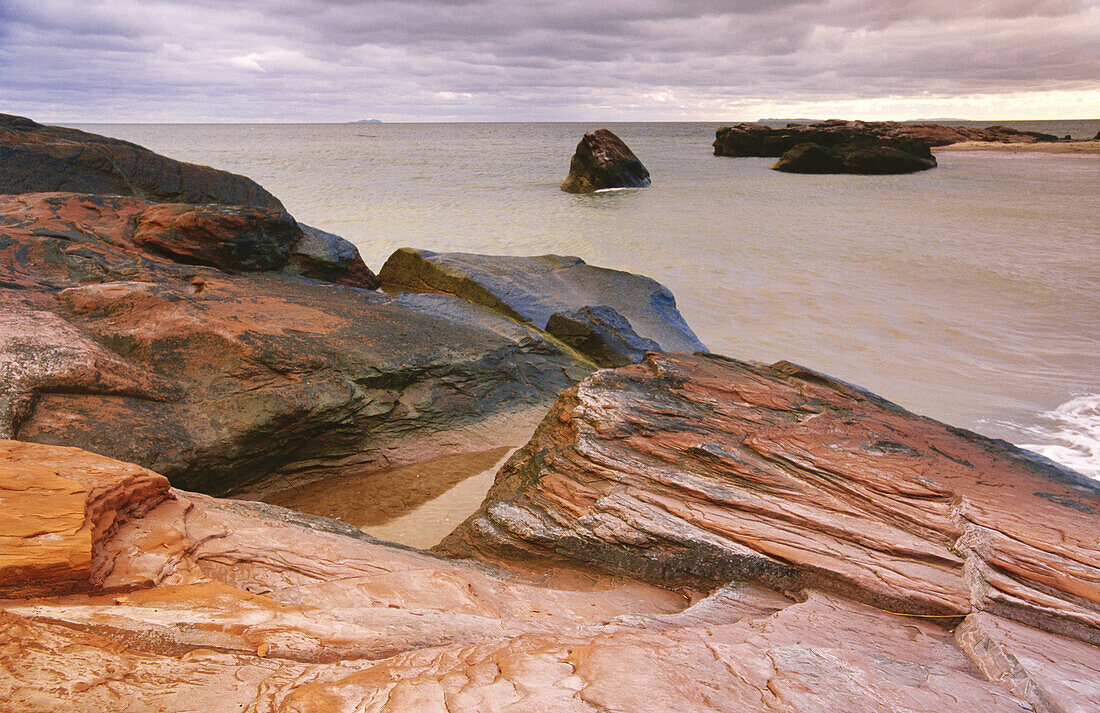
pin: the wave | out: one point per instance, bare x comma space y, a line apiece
1069, 434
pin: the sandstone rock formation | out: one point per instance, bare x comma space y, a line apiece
603, 161
42, 159
692, 469
761, 140
532, 289
855, 158
192, 603
123, 338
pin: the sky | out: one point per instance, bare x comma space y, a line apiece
571, 60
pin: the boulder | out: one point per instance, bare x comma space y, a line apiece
41, 159
601, 334
216, 604
685, 470
603, 161
852, 158
230, 238
531, 289
119, 343
328, 257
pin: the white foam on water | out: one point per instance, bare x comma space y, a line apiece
1070, 435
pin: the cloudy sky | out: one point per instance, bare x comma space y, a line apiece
568, 60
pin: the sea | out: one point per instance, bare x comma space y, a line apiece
969, 293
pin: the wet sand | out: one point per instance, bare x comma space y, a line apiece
1067, 147
415, 505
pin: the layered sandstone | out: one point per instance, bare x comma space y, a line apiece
222, 605
692, 469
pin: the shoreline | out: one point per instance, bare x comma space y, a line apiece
1060, 147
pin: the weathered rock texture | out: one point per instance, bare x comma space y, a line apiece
221, 605
532, 290
43, 159
694, 469
603, 161
122, 338
762, 140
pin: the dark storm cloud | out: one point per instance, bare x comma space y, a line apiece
498, 59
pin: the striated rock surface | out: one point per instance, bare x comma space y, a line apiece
760, 140
695, 468
44, 159
221, 605
856, 158
119, 343
532, 289
603, 161
60, 506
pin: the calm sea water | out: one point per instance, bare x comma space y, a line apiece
969, 293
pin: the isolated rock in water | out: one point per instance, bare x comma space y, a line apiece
602, 334
693, 469
864, 159
531, 289
234, 239
218, 604
36, 159
218, 380
602, 161
329, 257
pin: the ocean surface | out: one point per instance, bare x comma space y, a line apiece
969, 293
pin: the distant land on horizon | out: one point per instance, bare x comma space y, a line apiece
368, 121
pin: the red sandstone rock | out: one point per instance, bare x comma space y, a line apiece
218, 380
692, 469
233, 239
222, 605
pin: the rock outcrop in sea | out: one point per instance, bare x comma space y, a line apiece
760, 140
863, 158
686, 533
603, 161
829, 147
